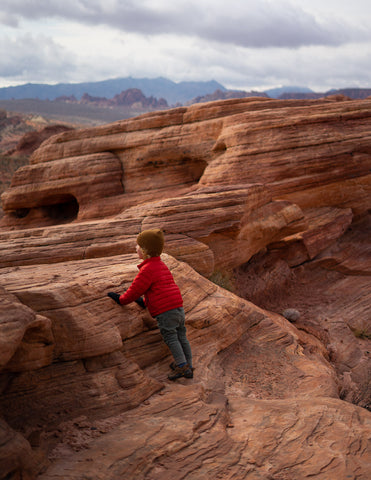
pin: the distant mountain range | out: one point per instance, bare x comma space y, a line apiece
353, 93
160, 89
277, 92
95, 103
172, 92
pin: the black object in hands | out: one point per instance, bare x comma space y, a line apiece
115, 297
140, 302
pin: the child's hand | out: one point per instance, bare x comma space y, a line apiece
140, 302
115, 297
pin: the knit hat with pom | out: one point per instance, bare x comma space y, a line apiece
152, 241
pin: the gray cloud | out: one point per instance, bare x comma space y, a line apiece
234, 42
248, 24
34, 57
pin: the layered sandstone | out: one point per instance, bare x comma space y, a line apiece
272, 197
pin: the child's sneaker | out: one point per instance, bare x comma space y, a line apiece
189, 372
180, 372
173, 366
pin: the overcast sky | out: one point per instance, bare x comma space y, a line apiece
243, 44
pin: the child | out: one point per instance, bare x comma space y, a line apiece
163, 299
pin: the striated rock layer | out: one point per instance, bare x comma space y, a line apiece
265, 206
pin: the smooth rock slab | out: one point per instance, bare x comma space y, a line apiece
204, 437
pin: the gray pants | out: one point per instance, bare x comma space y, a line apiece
173, 331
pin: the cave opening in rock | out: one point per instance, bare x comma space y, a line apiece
62, 210
21, 212
192, 169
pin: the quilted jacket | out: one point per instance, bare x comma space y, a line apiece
157, 284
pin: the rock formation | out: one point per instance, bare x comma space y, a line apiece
354, 93
132, 97
226, 94
272, 197
21, 134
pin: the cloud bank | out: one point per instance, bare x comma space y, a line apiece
247, 42
244, 23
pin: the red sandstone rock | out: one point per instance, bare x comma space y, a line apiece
79, 180
271, 195
16, 455
264, 439
26, 340
325, 225
32, 140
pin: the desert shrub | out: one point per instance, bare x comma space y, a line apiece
360, 327
361, 333
222, 279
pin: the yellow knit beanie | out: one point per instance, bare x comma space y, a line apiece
152, 241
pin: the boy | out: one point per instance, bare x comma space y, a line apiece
163, 299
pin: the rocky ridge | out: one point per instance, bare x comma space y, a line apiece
354, 93
21, 134
273, 195
133, 97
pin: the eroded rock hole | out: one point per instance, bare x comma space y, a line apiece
193, 168
21, 212
63, 211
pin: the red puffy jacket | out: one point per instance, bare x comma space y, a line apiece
156, 283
